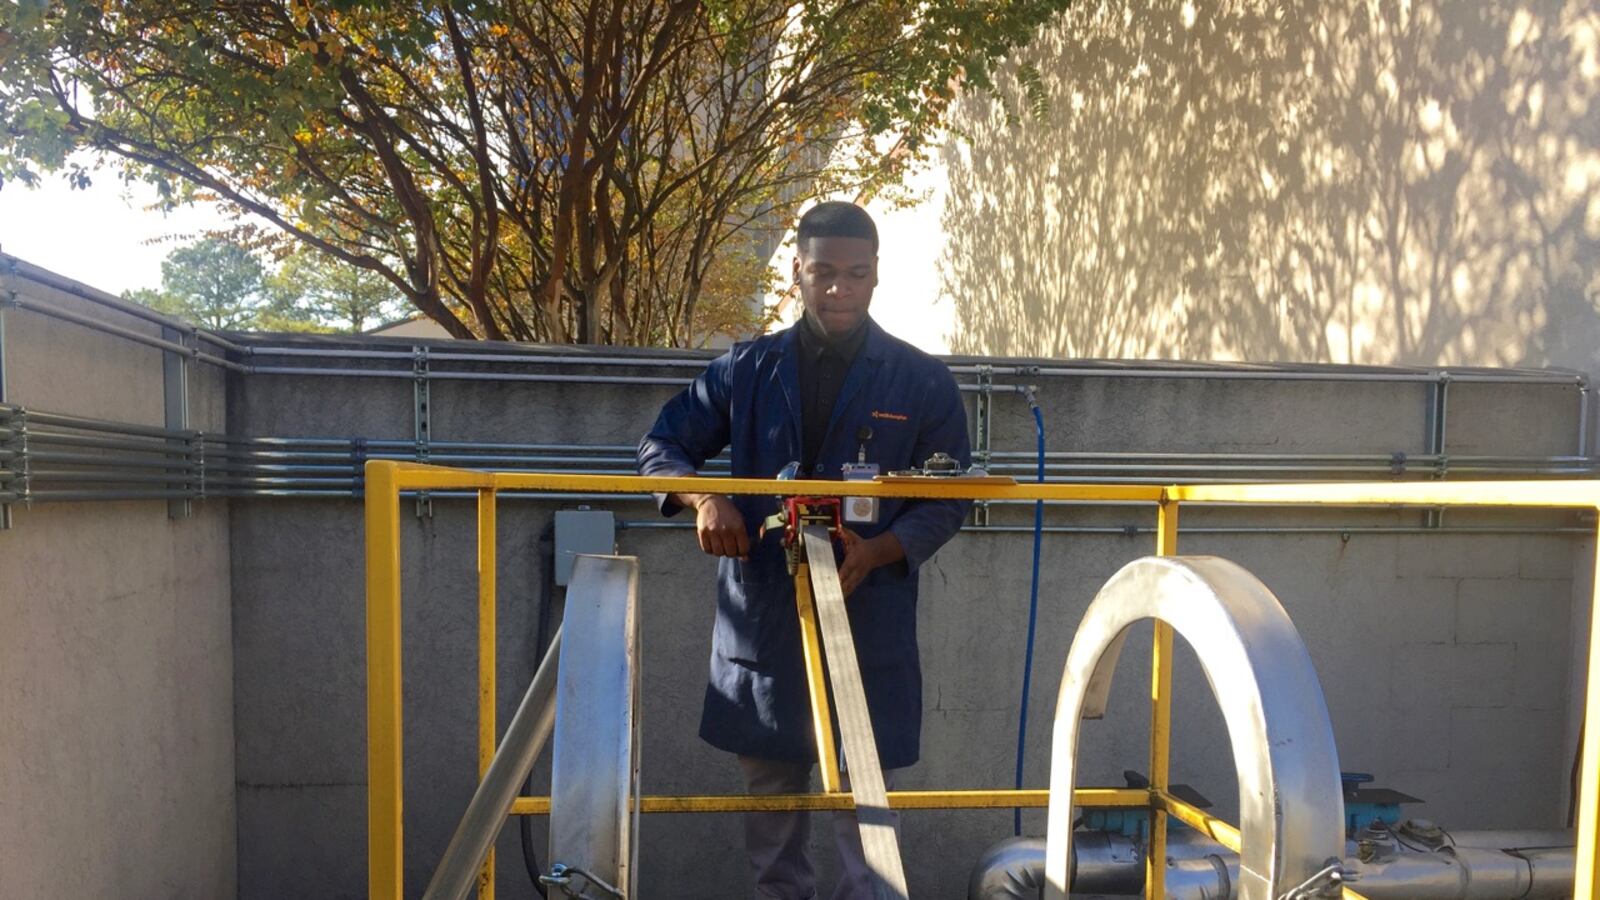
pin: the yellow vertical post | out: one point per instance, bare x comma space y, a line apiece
1587, 877
487, 730
1155, 863
385, 791
816, 680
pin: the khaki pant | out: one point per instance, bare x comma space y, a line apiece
777, 841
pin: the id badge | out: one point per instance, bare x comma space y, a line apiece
860, 510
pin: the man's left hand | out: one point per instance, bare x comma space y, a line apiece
862, 555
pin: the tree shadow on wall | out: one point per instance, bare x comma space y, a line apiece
1299, 182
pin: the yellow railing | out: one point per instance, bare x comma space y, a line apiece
385, 480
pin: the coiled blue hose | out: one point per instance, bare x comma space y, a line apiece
1033, 608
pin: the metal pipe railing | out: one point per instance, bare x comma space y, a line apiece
1288, 372
56, 312
27, 271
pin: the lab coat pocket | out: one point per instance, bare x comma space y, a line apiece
747, 630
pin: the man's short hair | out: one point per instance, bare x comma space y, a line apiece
836, 218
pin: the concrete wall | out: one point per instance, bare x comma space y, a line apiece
116, 657
1446, 657
1351, 182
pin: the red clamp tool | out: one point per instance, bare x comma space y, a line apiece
799, 512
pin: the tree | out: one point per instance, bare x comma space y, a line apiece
333, 293
562, 170
214, 283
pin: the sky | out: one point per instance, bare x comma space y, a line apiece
109, 237
105, 236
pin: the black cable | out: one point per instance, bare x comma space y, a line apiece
530, 858
547, 588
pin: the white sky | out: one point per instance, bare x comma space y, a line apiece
105, 236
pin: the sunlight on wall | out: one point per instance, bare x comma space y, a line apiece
1355, 182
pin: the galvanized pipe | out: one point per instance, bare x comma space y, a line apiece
56, 312
50, 475
1481, 865
494, 357
85, 424
164, 447
89, 459
409, 375
1299, 375
1285, 372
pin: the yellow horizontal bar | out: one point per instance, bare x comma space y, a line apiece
1560, 493
1008, 799
416, 476
1219, 831
1201, 821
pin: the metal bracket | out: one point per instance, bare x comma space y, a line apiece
984, 445
1326, 883
1437, 420
175, 386
358, 465
15, 420
8, 297
423, 418
197, 452
561, 875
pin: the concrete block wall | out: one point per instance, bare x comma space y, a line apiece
116, 656
1447, 658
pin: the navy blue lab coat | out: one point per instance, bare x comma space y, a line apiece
748, 399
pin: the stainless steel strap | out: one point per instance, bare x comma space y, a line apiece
879, 844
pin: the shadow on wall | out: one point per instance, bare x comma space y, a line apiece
1347, 182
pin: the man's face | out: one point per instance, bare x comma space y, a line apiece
836, 277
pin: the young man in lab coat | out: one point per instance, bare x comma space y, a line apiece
833, 389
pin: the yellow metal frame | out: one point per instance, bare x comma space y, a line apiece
385, 481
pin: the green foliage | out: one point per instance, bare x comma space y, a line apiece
212, 283
223, 285
310, 287
526, 169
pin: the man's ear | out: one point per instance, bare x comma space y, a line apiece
797, 266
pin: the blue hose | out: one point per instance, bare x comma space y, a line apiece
1033, 609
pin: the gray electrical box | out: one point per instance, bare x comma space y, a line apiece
582, 531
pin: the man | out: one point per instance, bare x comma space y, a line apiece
825, 392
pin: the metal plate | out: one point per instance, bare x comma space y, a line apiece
594, 773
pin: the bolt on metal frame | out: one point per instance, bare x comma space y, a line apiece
386, 479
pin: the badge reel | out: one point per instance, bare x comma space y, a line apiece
861, 510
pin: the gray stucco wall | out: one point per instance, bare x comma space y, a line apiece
116, 654
1446, 658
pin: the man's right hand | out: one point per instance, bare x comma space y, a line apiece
719, 525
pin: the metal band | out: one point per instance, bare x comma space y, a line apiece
1291, 804
879, 844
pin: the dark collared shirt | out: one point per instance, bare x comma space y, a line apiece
823, 365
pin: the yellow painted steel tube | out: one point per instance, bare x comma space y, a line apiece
487, 729
816, 681
417, 476
1211, 826
1128, 798
1551, 493
1222, 832
1155, 862
385, 839
1586, 880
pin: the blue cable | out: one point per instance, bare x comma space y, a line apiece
1033, 609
